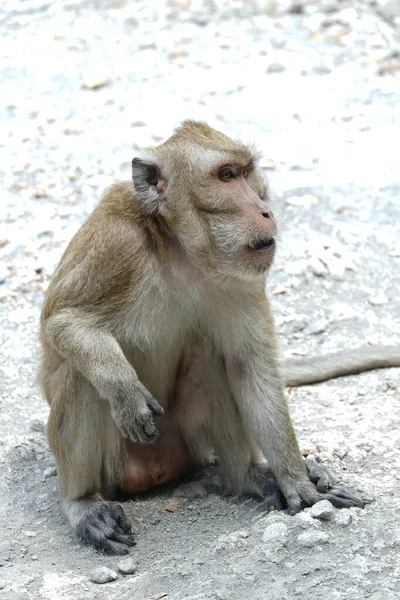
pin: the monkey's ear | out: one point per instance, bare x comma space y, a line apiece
149, 184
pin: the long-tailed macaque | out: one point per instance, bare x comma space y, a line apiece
159, 342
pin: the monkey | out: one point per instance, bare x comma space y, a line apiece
159, 344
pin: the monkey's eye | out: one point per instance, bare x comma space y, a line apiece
227, 173
245, 172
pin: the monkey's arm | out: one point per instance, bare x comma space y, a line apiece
96, 355
350, 362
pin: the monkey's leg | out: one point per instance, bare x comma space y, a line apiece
207, 416
255, 382
88, 451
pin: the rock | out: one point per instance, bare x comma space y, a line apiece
309, 539
317, 267
378, 300
337, 268
127, 566
297, 8
319, 326
3, 584
103, 575
275, 68
95, 77
50, 472
389, 10
322, 510
266, 7
37, 425
343, 518
276, 534
173, 508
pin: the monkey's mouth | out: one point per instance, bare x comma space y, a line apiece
262, 244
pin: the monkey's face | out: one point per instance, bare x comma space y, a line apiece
241, 226
209, 191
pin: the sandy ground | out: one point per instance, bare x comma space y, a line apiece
317, 87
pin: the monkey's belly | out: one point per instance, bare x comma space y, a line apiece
151, 465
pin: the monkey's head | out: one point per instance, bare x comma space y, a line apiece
211, 194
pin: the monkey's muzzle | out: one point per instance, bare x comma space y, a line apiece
262, 244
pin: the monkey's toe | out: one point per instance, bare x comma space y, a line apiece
319, 475
342, 499
273, 498
106, 527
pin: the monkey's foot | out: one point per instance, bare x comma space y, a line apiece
325, 482
105, 526
300, 492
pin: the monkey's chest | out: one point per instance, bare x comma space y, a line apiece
153, 337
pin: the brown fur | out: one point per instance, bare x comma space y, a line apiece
156, 323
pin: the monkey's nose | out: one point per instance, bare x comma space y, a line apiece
268, 214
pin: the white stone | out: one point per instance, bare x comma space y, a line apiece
103, 575
322, 510
127, 566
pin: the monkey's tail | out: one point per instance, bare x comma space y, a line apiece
349, 362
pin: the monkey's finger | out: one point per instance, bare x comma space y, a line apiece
96, 536
115, 534
113, 530
342, 499
111, 547
122, 519
153, 405
150, 431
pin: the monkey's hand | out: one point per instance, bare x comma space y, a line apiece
306, 489
133, 411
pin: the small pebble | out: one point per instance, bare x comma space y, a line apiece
95, 78
103, 575
378, 300
275, 68
322, 510
37, 425
50, 472
276, 533
127, 566
319, 326
309, 539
